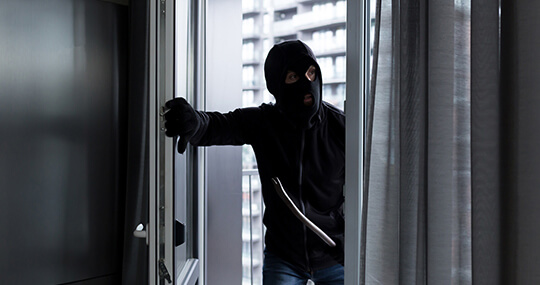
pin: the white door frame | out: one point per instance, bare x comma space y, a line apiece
161, 89
160, 150
358, 70
162, 21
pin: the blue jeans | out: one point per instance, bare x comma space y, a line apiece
277, 271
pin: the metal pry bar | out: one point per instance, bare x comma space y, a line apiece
290, 204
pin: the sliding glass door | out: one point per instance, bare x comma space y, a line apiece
172, 230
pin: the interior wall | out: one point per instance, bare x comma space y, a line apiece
224, 163
62, 91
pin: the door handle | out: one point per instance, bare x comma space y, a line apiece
140, 232
179, 233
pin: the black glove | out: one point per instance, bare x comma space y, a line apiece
181, 120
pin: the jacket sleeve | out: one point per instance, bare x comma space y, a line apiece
233, 128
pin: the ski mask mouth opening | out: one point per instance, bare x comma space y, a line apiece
299, 96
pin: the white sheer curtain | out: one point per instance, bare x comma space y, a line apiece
418, 162
452, 160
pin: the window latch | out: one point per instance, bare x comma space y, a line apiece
163, 272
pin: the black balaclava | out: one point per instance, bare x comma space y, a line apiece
294, 56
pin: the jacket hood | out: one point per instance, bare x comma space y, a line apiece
283, 57
280, 57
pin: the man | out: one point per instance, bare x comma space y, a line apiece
301, 141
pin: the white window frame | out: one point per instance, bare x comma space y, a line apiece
358, 67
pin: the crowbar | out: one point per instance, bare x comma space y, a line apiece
290, 204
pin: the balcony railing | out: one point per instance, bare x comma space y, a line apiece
252, 228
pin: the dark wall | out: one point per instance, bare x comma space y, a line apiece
520, 76
63, 70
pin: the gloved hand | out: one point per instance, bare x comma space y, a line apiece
181, 120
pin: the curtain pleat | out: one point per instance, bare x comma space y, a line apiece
486, 143
520, 137
382, 234
413, 84
448, 145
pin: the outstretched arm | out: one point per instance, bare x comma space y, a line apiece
208, 128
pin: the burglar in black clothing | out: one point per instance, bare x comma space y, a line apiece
300, 140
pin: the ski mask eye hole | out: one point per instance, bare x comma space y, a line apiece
311, 73
291, 77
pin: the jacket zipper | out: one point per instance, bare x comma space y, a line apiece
300, 197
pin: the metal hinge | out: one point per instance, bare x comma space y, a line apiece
163, 272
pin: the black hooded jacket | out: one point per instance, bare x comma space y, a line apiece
308, 158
